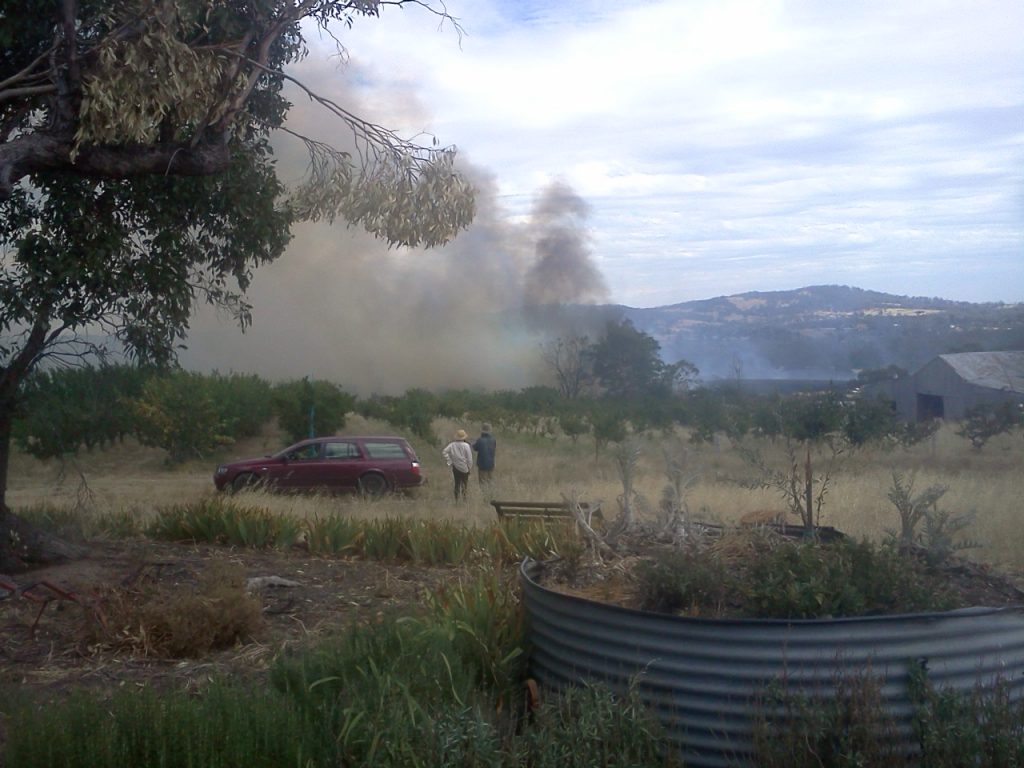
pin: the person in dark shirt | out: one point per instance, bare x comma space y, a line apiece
485, 446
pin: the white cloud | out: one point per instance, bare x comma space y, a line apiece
819, 139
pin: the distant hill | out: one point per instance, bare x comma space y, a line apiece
822, 332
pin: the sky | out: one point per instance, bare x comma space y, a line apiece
646, 153
737, 145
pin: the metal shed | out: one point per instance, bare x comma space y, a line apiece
949, 385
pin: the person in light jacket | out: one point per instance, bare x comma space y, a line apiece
459, 456
485, 446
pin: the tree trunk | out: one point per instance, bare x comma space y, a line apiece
22, 545
808, 494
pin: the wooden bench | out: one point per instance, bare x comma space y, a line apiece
544, 510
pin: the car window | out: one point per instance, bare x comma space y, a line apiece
341, 451
385, 451
310, 451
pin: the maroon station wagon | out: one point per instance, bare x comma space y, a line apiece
369, 465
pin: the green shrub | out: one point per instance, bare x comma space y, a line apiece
483, 620
687, 581
984, 729
804, 580
119, 524
384, 690
591, 726
769, 577
845, 724
66, 522
334, 535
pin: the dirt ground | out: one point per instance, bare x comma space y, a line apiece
43, 644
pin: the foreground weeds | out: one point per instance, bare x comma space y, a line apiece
442, 688
849, 725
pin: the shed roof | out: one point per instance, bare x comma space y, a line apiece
995, 370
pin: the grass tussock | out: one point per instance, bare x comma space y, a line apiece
223, 521
178, 621
217, 520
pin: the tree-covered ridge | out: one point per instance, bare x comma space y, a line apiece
824, 332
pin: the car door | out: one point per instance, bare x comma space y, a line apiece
342, 465
298, 468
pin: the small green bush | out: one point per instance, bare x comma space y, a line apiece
984, 729
845, 724
691, 582
792, 580
805, 580
591, 726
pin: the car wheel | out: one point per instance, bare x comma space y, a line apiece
373, 486
244, 481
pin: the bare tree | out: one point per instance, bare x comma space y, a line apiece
674, 507
627, 456
570, 361
584, 515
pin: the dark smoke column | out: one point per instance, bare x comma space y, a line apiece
564, 272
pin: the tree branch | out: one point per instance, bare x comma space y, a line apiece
36, 152
17, 93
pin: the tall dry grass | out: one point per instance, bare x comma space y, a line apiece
537, 467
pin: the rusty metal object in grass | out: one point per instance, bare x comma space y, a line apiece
33, 591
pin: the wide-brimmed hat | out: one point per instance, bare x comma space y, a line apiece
461, 435
485, 427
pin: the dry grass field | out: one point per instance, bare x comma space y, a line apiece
533, 467
135, 598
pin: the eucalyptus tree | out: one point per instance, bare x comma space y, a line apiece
627, 363
136, 176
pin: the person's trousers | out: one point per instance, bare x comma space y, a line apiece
461, 481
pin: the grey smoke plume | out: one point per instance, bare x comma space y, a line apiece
564, 272
341, 305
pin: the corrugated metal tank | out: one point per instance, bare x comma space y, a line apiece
701, 677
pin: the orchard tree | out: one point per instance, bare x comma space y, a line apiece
307, 408
627, 363
986, 420
176, 411
136, 178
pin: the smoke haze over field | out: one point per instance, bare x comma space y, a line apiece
340, 305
